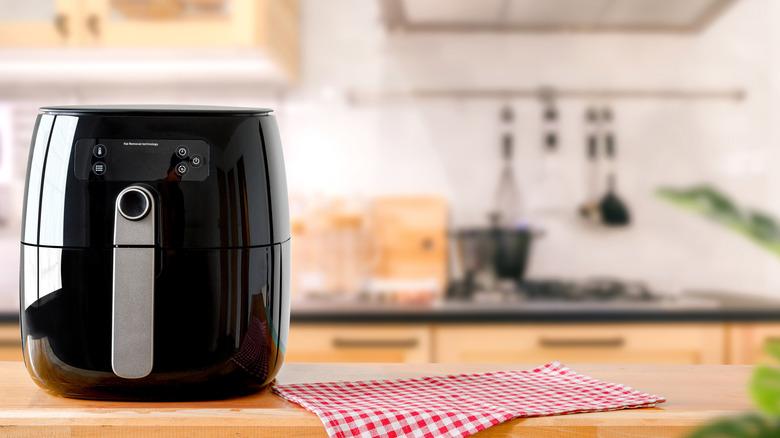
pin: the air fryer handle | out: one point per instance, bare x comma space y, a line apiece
132, 312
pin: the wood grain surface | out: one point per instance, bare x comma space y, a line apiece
695, 393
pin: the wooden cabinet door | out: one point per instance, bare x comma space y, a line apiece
269, 29
358, 343
173, 23
10, 342
747, 342
581, 343
39, 23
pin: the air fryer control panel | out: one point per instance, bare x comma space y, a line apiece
104, 159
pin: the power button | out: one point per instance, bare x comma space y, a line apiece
181, 169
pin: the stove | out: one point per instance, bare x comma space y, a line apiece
601, 294
557, 297
597, 289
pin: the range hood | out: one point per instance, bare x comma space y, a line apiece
673, 16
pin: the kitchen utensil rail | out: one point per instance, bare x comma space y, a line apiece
702, 94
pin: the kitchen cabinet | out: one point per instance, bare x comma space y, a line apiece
505, 343
747, 342
578, 343
544, 16
270, 26
10, 342
359, 343
39, 23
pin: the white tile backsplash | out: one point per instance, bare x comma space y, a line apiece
450, 146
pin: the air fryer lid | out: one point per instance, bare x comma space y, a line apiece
165, 110
215, 175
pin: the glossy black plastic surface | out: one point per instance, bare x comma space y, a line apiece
199, 110
132, 160
221, 320
237, 198
221, 248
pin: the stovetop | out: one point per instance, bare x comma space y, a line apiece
537, 295
595, 299
559, 290
598, 293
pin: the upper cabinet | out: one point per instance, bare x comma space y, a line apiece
268, 26
37, 23
675, 16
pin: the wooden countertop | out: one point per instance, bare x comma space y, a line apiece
695, 394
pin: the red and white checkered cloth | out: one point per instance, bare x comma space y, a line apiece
457, 405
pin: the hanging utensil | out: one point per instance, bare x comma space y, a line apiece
589, 209
550, 139
614, 212
507, 207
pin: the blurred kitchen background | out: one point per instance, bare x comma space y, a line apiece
492, 180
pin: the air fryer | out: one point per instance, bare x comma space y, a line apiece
155, 255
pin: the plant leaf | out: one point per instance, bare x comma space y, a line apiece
746, 426
763, 226
765, 389
772, 347
706, 201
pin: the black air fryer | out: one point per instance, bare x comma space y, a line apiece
155, 252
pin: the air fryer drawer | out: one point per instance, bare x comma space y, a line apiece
220, 319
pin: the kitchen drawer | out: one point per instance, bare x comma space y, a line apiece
358, 343
10, 342
747, 342
578, 343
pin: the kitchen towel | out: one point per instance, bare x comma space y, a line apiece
457, 405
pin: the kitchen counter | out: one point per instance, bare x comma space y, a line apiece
695, 394
694, 307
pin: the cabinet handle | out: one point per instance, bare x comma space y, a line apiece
375, 343
93, 24
581, 343
61, 24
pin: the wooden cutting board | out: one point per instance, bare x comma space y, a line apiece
410, 237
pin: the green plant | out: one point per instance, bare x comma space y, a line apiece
764, 386
765, 391
746, 426
759, 227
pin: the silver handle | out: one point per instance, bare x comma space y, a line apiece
375, 343
581, 343
132, 312
93, 24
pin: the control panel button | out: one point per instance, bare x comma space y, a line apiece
181, 169
99, 168
117, 159
100, 150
